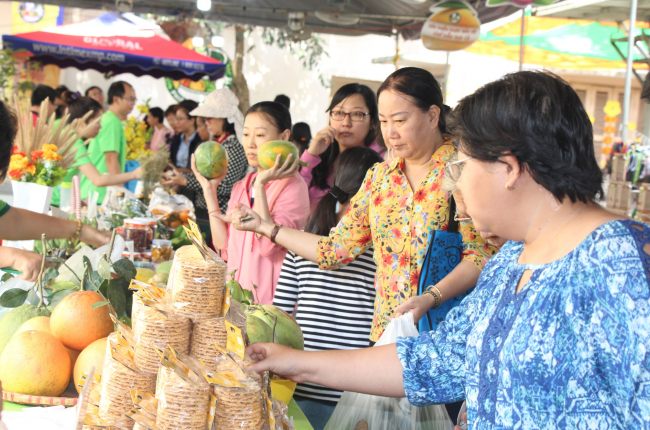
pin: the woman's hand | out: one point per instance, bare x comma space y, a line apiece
206, 184
418, 306
234, 216
173, 178
278, 359
94, 237
137, 173
322, 141
29, 263
277, 172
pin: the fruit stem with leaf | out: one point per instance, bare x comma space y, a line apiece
40, 275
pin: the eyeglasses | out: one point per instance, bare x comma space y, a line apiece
456, 168
130, 99
339, 115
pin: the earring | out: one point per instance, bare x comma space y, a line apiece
509, 188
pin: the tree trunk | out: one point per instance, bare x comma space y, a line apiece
239, 84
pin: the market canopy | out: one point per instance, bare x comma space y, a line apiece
110, 43
559, 43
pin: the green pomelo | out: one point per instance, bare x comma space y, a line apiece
10, 323
211, 159
258, 330
287, 330
269, 152
165, 267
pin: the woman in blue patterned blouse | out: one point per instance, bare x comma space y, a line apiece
557, 332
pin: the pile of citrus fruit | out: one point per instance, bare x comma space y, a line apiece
42, 352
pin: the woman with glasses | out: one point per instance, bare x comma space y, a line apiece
397, 207
555, 336
187, 139
353, 122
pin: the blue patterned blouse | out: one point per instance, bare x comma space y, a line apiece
571, 350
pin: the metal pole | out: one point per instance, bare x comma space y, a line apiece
445, 83
628, 73
521, 39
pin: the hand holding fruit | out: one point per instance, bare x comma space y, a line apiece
277, 172
173, 178
322, 141
207, 184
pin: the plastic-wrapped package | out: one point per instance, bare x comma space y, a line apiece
156, 328
282, 420
119, 375
171, 210
196, 286
183, 398
387, 413
207, 334
239, 408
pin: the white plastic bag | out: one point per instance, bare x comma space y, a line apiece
388, 413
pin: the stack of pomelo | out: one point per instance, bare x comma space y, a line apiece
45, 353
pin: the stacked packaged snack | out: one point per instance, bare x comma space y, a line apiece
120, 374
196, 284
157, 327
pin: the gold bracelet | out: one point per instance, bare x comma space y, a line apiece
439, 292
216, 210
435, 298
76, 234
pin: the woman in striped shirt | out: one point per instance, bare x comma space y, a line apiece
334, 307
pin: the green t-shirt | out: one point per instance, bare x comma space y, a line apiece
110, 139
4, 207
80, 159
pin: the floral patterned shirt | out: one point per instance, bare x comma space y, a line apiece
388, 215
570, 350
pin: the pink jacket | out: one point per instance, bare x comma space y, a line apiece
158, 138
315, 193
257, 260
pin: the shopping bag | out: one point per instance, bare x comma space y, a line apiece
388, 413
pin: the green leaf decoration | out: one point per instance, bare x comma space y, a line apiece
13, 298
104, 269
125, 269
63, 285
99, 304
117, 299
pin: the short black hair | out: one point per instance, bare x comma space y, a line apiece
283, 100
8, 130
274, 112
117, 89
92, 88
156, 112
538, 118
60, 90
81, 106
43, 92
171, 110
188, 106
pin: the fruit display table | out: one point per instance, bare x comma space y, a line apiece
299, 420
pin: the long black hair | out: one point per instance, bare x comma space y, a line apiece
420, 85
276, 113
349, 171
322, 171
80, 106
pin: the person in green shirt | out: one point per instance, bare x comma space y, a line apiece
107, 151
77, 108
20, 224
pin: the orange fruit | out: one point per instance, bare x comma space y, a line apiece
36, 323
35, 363
76, 324
92, 355
73, 359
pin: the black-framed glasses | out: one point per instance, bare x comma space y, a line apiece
456, 168
339, 115
130, 99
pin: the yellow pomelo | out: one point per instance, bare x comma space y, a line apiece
143, 274
36, 323
15, 318
91, 356
76, 324
35, 363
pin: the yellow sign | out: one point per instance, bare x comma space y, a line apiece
453, 26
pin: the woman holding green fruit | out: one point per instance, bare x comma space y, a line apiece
20, 224
258, 260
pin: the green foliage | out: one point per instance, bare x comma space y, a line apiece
309, 51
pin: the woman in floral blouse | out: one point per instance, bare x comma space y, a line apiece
555, 336
399, 204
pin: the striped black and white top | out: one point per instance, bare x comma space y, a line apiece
335, 307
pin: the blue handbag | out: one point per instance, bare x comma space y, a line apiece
443, 255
